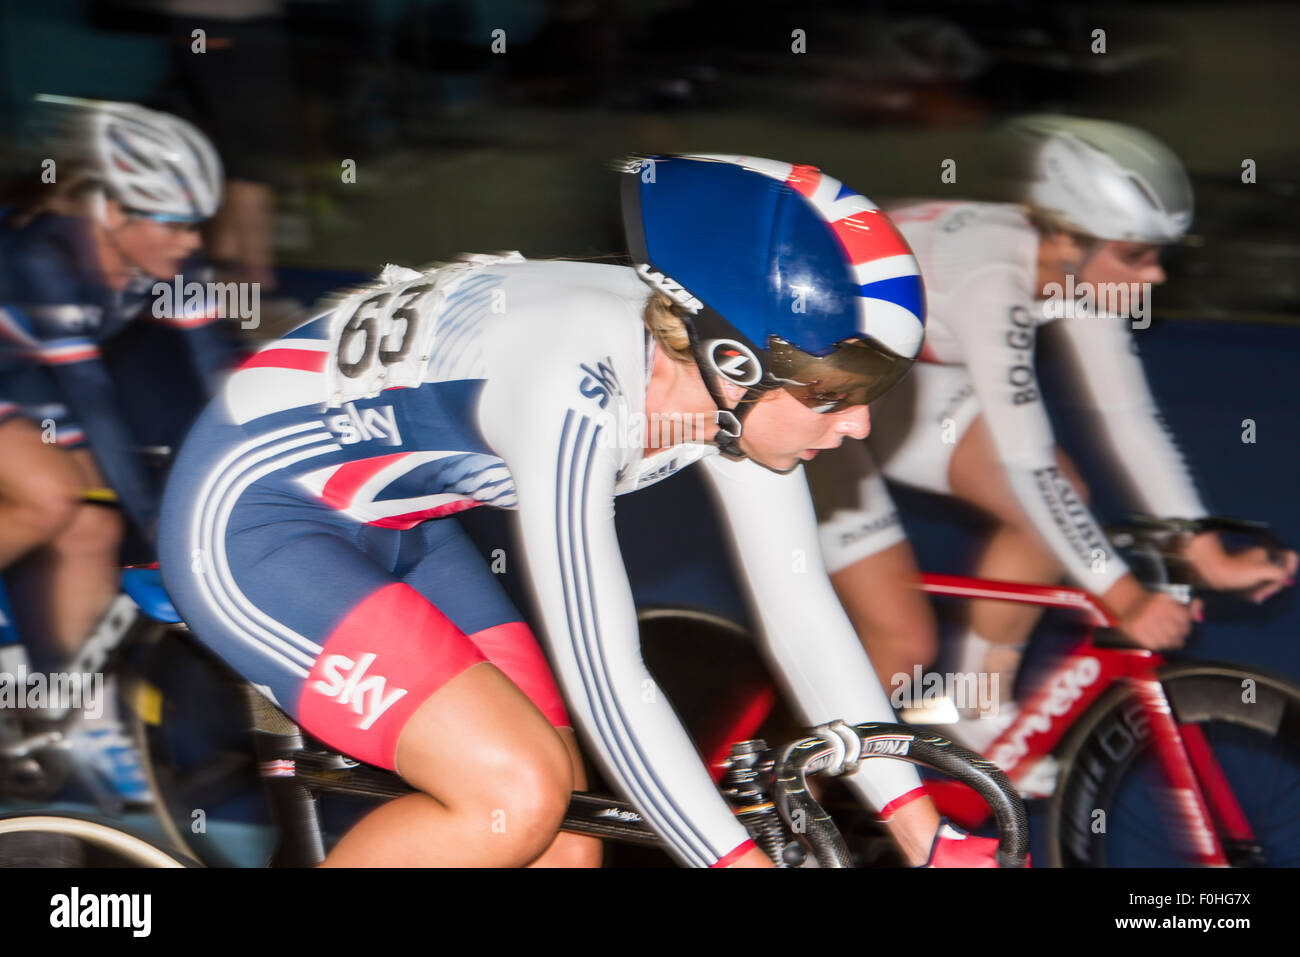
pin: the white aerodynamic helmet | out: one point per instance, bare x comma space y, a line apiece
1103, 179
150, 162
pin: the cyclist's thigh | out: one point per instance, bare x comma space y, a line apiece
300, 602
917, 425
978, 477
450, 573
33, 471
856, 517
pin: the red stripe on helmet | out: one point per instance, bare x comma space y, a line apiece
804, 179
869, 235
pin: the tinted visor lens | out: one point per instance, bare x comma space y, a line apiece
855, 373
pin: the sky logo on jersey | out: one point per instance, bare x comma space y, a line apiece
347, 683
601, 382
355, 425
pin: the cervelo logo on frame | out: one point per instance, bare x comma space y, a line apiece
733, 361
1065, 690
346, 682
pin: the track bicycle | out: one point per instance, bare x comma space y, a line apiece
190, 770
1212, 747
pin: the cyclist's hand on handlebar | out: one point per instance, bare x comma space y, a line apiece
1153, 620
1257, 572
1160, 622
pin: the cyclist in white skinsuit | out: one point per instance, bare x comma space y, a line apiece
1100, 199
308, 533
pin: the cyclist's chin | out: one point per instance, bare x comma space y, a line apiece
161, 269
776, 461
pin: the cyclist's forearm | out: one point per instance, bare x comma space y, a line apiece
803, 626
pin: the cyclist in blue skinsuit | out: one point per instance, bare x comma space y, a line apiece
78, 262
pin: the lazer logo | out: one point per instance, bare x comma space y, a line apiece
734, 360
669, 287
347, 682
887, 744
364, 425
601, 382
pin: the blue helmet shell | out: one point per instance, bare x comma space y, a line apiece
775, 250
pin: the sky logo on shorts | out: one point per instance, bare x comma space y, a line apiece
346, 681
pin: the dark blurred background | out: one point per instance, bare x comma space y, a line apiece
459, 148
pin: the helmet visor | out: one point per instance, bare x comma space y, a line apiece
855, 373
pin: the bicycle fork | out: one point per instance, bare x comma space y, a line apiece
1200, 794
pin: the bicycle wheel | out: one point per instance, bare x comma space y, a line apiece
59, 839
189, 720
1107, 766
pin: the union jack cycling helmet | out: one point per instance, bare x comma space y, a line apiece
152, 163
789, 278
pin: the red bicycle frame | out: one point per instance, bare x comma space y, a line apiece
1201, 795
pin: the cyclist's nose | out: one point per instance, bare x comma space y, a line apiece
1154, 274
854, 422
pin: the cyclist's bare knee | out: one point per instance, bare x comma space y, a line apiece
480, 748
40, 504
93, 531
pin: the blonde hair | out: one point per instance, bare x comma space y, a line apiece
1048, 223
664, 320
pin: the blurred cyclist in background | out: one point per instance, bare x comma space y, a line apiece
80, 251
1097, 202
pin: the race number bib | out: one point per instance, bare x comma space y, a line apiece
382, 337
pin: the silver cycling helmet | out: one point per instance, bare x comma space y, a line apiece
150, 162
1102, 179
